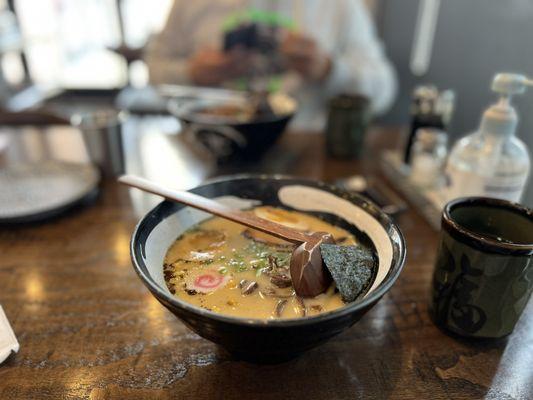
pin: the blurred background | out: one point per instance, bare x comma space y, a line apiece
77, 44
99, 47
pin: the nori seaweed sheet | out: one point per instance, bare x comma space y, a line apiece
350, 266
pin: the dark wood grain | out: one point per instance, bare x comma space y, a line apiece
89, 329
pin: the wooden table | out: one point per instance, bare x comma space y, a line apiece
89, 329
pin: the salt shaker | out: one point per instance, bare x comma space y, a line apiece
428, 157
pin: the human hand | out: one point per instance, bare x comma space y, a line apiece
303, 55
210, 67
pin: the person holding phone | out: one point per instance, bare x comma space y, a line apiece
323, 48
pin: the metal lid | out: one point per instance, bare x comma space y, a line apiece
98, 119
425, 92
424, 99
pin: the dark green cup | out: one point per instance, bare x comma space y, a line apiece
348, 120
483, 276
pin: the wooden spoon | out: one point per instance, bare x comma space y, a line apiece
309, 275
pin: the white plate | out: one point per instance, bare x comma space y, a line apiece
35, 189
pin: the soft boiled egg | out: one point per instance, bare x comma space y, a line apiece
282, 217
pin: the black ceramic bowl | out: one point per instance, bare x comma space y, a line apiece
227, 136
269, 340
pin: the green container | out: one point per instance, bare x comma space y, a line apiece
348, 120
483, 276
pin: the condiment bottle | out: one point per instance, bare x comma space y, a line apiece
428, 157
492, 162
429, 109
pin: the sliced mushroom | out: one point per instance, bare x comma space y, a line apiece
268, 291
247, 287
271, 292
317, 308
303, 308
280, 280
273, 262
280, 307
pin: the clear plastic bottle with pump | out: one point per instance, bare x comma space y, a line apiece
492, 162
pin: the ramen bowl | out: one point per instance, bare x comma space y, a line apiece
270, 340
223, 125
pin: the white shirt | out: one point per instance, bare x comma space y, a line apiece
342, 28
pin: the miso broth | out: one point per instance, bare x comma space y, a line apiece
230, 269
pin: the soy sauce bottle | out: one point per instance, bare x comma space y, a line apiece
429, 109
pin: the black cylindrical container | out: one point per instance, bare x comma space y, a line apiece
348, 119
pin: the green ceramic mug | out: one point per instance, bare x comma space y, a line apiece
483, 276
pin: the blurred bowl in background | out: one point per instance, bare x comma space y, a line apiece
236, 124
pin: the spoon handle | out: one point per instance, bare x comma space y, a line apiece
213, 207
